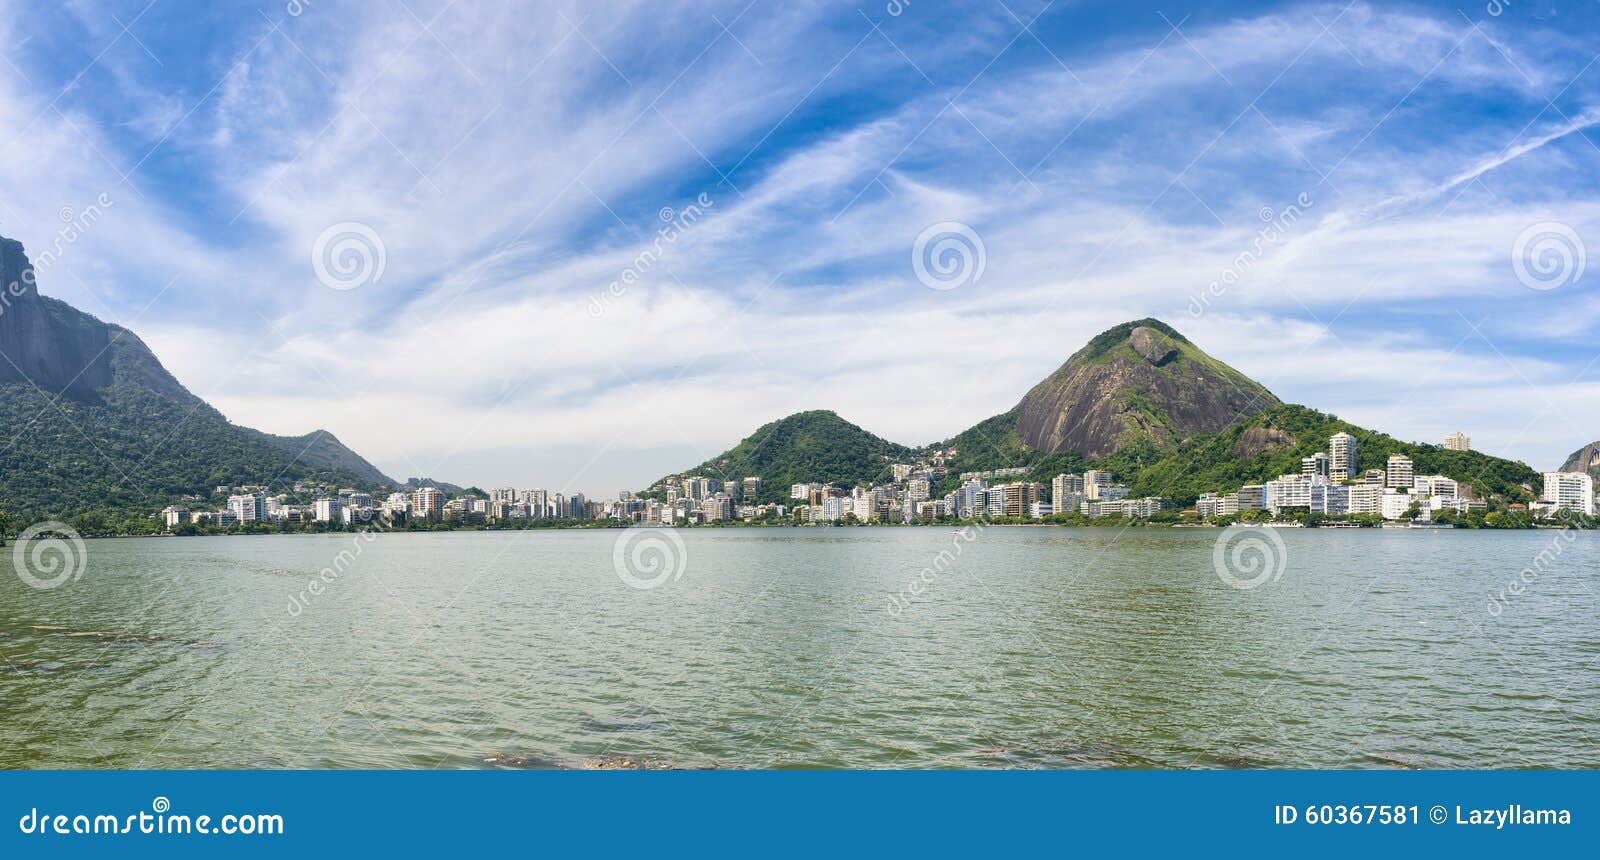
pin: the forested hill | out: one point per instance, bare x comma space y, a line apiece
1254, 449
804, 447
94, 424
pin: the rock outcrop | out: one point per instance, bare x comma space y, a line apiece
1141, 380
46, 342
1585, 459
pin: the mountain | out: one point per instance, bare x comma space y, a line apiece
1139, 381
1585, 459
806, 446
93, 422
1141, 401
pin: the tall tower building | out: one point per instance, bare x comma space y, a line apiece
1399, 472
1341, 456
1457, 442
1315, 465
1063, 488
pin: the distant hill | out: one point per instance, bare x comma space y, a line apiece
1139, 400
417, 483
93, 422
1270, 444
805, 446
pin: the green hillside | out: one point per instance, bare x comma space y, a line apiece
807, 446
1254, 449
96, 432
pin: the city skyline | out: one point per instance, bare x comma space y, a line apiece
1328, 486
589, 240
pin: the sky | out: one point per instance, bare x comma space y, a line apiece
582, 245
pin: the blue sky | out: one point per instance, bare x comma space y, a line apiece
1396, 175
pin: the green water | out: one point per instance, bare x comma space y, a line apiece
1033, 647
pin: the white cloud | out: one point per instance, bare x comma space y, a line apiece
513, 174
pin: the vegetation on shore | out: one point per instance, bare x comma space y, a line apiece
1491, 520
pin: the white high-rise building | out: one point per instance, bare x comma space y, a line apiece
426, 501
997, 500
1214, 505
174, 515
1093, 480
1289, 491
1341, 456
1065, 485
248, 508
1314, 465
1395, 503
1331, 499
328, 510
1457, 442
1398, 475
1366, 499
1572, 491
1436, 485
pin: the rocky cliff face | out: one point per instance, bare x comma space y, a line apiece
98, 422
1585, 459
45, 342
1139, 380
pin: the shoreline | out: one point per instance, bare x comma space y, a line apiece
954, 525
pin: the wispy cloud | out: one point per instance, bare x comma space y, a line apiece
514, 162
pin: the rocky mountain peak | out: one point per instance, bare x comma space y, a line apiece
1137, 381
48, 343
16, 274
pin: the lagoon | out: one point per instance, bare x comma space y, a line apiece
1001, 647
